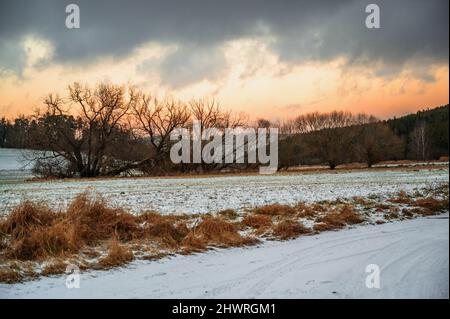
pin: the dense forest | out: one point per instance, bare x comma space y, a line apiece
118, 130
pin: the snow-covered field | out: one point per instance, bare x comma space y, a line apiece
412, 256
210, 194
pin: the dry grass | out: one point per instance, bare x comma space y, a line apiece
228, 214
257, 221
361, 201
275, 210
431, 206
10, 276
25, 217
193, 244
33, 232
338, 219
55, 268
288, 229
95, 221
117, 255
218, 232
167, 233
401, 198
306, 211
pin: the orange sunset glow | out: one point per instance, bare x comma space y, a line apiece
247, 72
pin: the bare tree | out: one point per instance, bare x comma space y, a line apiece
209, 114
157, 119
376, 142
420, 141
87, 142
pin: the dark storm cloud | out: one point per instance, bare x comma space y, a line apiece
304, 30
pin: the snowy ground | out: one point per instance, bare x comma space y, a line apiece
412, 255
210, 194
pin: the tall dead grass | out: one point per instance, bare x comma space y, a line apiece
117, 255
346, 215
275, 210
288, 229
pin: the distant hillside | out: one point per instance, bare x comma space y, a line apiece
436, 122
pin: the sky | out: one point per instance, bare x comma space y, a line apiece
269, 59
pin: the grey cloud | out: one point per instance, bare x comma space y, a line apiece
304, 30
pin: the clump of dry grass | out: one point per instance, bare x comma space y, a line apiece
193, 244
401, 198
35, 232
218, 232
431, 205
288, 229
42, 242
361, 201
305, 211
167, 233
57, 267
10, 276
95, 221
228, 214
117, 255
25, 217
257, 221
382, 207
338, 219
275, 210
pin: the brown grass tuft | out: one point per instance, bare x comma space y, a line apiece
167, 233
228, 214
10, 276
257, 221
431, 206
338, 219
117, 255
275, 210
288, 229
305, 211
95, 221
216, 231
401, 198
25, 217
55, 268
192, 244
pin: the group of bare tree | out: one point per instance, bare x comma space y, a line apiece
336, 138
115, 129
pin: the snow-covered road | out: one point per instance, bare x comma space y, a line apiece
413, 257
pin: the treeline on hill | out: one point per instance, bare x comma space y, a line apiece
113, 130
